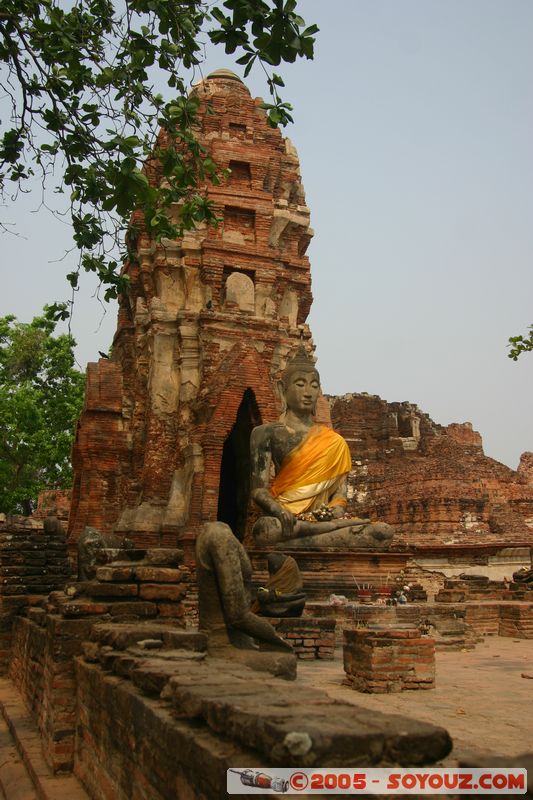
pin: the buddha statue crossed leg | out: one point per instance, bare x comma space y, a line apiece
306, 503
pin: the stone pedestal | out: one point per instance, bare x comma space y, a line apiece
389, 660
516, 621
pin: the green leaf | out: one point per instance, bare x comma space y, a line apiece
82, 72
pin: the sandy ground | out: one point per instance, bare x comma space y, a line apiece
480, 697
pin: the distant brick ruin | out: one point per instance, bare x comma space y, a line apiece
432, 483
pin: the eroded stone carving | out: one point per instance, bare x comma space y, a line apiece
240, 291
289, 306
91, 545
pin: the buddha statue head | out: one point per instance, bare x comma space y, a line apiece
300, 383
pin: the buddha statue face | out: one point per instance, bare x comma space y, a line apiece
301, 391
301, 384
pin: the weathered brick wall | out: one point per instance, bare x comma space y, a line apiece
171, 725
100, 451
9, 607
525, 468
483, 618
431, 580
516, 621
27, 660
32, 559
42, 668
338, 572
54, 501
147, 585
133, 585
38, 654
128, 746
432, 483
33, 562
310, 637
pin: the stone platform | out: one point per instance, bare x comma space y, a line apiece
334, 571
433, 566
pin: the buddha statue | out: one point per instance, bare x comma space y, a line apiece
283, 595
305, 505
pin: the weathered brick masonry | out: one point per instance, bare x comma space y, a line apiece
203, 335
310, 637
134, 587
432, 483
171, 726
33, 562
121, 691
389, 660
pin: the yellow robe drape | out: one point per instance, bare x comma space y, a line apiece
311, 473
286, 580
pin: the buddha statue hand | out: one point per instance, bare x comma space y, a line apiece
288, 522
275, 511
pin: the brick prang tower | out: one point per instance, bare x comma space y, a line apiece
203, 335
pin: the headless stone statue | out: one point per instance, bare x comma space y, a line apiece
283, 595
224, 573
306, 503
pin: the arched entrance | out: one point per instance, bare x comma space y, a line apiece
234, 486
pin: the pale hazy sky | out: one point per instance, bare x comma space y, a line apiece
414, 126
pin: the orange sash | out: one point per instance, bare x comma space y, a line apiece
319, 461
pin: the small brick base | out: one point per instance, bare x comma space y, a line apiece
311, 637
517, 621
389, 660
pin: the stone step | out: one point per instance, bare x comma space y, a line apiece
120, 636
31, 778
292, 725
15, 782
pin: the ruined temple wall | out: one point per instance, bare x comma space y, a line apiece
525, 468
99, 453
47, 633
42, 669
33, 562
432, 483
54, 501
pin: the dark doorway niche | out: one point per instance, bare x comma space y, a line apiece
240, 174
234, 487
405, 426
